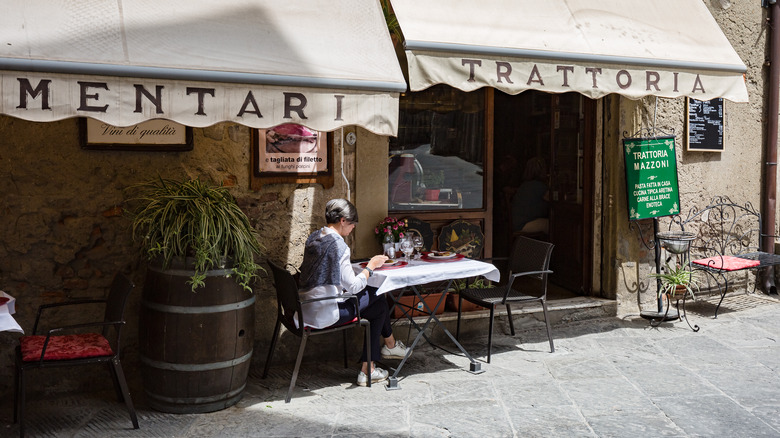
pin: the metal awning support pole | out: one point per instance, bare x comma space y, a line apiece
770, 148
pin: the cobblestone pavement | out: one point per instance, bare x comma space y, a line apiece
608, 377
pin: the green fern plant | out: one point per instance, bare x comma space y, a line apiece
173, 219
433, 179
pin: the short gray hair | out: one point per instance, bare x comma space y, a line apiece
339, 208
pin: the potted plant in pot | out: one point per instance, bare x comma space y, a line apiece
676, 281
433, 181
196, 323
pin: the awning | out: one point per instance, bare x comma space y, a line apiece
259, 63
635, 48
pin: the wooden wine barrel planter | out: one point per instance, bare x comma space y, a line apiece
195, 347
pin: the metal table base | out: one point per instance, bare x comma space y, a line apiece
474, 366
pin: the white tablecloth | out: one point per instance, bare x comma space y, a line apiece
7, 322
422, 272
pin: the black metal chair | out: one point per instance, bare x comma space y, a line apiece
288, 306
76, 345
529, 259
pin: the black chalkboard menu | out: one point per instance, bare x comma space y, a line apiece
704, 125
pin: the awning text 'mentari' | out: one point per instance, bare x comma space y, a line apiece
260, 63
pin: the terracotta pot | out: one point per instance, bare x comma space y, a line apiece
679, 293
452, 304
431, 194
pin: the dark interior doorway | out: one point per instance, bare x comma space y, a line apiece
543, 173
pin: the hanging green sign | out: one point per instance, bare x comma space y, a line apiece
651, 177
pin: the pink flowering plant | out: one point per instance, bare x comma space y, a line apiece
396, 228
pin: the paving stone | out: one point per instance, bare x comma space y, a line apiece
379, 419
713, 416
626, 424
574, 368
550, 422
703, 351
750, 385
770, 415
534, 393
266, 422
766, 356
610, 377
606, 396
484, 418
660, 378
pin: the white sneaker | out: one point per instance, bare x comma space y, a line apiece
397, 352
378, 375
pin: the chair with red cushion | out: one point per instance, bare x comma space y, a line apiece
75, 345
288, 306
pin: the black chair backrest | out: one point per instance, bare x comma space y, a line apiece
530, 255
115, 305
286, 296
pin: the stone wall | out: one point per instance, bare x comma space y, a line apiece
736, 172
64, 232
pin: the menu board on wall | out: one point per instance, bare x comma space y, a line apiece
704, 125
651, 177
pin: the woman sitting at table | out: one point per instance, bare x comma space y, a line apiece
326, 271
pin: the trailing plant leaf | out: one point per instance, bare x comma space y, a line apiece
677, 276
433, 179
478, 283
194, 219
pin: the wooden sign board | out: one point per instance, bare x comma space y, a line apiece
151, 135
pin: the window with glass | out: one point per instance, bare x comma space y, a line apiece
437, 159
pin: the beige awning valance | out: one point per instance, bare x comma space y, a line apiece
259, 63
635, 48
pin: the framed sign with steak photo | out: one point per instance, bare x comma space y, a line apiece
290, 153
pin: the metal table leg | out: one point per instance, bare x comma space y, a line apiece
474, 366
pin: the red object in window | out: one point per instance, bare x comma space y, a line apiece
406, 179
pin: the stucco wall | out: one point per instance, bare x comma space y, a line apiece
736, 172
64, 234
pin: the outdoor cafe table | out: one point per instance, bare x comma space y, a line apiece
419, 272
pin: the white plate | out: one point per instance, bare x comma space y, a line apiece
391, 262
449, 255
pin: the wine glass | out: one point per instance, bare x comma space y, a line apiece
407, 247
418, 243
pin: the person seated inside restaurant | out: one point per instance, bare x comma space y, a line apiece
327, 272
530, 204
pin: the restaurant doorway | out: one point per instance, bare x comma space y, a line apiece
543, 180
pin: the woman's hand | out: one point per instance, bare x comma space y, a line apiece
376, 262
